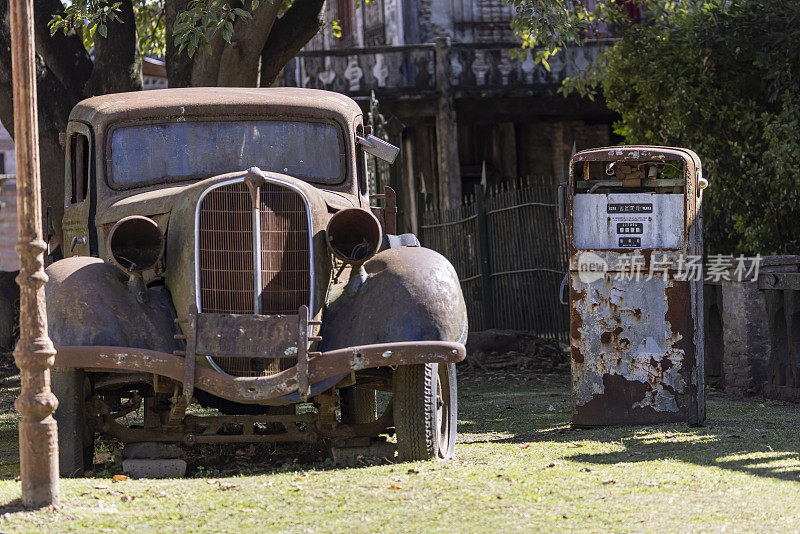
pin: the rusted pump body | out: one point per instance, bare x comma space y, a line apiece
634, 217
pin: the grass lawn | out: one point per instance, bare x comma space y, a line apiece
520, 468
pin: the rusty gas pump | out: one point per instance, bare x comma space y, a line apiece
635, 292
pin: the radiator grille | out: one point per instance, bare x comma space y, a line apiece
226, 261
285, 275
225, 242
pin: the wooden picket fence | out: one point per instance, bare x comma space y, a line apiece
510, 252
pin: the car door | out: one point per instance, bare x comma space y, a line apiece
80, 198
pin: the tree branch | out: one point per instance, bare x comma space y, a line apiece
289, 34
64, 55
179, 64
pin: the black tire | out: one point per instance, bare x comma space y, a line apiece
75, 442
425, 400
359, 405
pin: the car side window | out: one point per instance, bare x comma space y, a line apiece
79, 167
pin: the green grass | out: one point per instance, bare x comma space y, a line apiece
520, 468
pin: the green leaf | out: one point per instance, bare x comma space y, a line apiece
181, 27
102, 30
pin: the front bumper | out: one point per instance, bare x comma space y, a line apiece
259, 390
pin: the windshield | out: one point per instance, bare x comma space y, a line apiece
154, 153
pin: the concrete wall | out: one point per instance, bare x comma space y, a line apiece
753, 334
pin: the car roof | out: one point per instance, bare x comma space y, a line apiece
101, 111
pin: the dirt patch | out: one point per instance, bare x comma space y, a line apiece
511, 351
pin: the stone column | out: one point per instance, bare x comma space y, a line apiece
449, 167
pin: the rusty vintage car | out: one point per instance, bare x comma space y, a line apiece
220, 249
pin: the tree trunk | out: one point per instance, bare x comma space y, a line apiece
117, 62
291, 32
258, 50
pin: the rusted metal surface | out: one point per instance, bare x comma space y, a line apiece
244, 251
190, 355
388, 211
636, 341
260, 390
136, 243
303, 384
221, 335
38, 442
631, 361
76, 316
354, 235
404, 294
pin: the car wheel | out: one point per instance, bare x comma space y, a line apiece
75, 442
425, 404
359, 405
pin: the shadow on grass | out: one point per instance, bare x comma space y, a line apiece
13, 507
740, 435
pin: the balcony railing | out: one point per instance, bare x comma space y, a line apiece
410, 71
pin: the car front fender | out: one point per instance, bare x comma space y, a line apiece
402, 294
89, 302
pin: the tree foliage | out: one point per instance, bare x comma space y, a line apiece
721, 78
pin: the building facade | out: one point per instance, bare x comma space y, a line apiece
471, 102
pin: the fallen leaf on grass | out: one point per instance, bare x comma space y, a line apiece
413, 472
585, 470
100, 486
526, 446
126, 498
550, 465
395, 486
606, 482
120, 478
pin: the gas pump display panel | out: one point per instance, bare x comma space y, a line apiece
628, 220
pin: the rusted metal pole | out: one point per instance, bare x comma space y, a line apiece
34, 354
